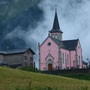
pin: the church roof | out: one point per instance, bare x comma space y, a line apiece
56, 27
57, 42
84, 62
66, 44
70, 44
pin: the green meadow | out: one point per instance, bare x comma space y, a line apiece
15, 79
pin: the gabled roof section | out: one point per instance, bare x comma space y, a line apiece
70, 44
84, 62
67, 44
51, 39
56, 27
59, 43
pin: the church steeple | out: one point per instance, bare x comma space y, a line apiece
56, 27
56, 31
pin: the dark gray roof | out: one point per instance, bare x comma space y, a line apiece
56, 27
18, 51
85, 63
67, 44
70, 44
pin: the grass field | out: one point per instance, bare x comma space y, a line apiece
81, 76
12, 79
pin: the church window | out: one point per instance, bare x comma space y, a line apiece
49, 43
67, 60
73, 63
79, 60
56, 36
53, 36
63, 58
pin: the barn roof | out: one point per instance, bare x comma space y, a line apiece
18, 51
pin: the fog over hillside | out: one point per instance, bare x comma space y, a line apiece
26, 25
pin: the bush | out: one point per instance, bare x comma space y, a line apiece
29, 68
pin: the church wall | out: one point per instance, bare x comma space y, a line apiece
79, 55
72, 58
65, 59
49, 52
70, 62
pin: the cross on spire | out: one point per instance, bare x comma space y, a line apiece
55, 8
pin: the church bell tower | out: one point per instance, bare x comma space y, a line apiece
56, 31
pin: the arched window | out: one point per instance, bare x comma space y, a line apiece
63, 58
79, 60
56, 36
67, 60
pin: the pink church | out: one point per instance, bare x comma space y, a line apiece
55, 53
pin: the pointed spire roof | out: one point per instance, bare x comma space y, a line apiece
56, 27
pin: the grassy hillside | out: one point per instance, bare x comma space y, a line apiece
81, 76
12, 78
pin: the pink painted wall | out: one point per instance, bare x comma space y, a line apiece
79, 54
66, 62
44, 51
72, 58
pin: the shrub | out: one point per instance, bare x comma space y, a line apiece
29, 68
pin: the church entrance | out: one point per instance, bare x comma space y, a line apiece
49, 67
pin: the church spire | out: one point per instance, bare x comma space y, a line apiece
56, 27
56, 31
